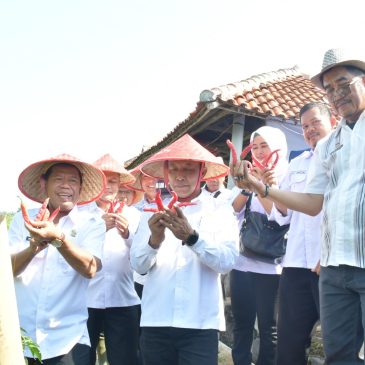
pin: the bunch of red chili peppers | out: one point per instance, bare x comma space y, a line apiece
161, 207
255, 162
43, 213
117, 206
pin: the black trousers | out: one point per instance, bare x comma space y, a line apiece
120, 327
254, 295
179, 346
79, 355
298, 313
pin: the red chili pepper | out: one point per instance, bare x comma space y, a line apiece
265, 164
274, 163
159, 202
245, 151
185, 204
233, 151
153, 210
54, 215
42, 211
24, 211
121, 206
173, 200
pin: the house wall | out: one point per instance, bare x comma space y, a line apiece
293, 133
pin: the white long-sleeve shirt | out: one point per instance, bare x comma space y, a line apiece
183, 286
304, 235
51, 295
113, 285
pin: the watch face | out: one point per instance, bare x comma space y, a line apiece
57, 243
192, 239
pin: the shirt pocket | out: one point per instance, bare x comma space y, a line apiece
297, 180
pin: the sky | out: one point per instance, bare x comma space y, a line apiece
93, 77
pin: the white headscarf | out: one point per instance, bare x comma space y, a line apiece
276, 140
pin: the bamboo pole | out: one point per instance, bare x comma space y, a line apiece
11, 352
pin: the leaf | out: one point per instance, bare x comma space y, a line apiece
33, 347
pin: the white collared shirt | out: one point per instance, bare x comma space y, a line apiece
304, 236
51, 295
338, 174
113, 285
183, 286
138, 278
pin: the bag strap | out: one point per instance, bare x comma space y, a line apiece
248, 204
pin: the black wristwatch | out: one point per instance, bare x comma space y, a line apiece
245, 193
192, 239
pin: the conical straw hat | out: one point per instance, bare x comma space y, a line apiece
108, 163
93, 179
185, 148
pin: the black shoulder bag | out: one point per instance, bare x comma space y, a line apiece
261, 239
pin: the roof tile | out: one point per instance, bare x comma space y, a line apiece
282, 90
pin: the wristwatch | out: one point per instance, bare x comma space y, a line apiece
192, 239
245, 193
58, 242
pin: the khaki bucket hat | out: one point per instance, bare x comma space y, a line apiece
93, 179
338, 57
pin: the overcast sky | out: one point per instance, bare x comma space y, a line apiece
95, 77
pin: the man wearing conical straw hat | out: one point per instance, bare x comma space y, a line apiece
53, 260
184, 248
113, 303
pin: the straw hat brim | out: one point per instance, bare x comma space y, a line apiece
93, 180
107, 163
317, 79
125, 177
136, 184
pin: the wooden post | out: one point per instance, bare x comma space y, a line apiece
11, 352
238, 131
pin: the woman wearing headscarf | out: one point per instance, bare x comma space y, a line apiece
255, 282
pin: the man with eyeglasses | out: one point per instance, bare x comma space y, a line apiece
336, 181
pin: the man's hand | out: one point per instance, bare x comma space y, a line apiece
109, 219
122, 225
177, 223
157, 229
244, 179
317, 268
41, 235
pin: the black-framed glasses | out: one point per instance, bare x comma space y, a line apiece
341, 91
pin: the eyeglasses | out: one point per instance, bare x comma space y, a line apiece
341, 91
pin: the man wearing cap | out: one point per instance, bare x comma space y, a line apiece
184, 249
336, 181
53, 260
112, 301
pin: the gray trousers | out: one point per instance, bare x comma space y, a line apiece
342, 311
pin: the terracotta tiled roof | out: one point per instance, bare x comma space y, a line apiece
279, 93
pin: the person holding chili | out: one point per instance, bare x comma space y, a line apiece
112, 301
255, 280
53, 260
184, 250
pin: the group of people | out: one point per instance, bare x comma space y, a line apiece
117, 258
